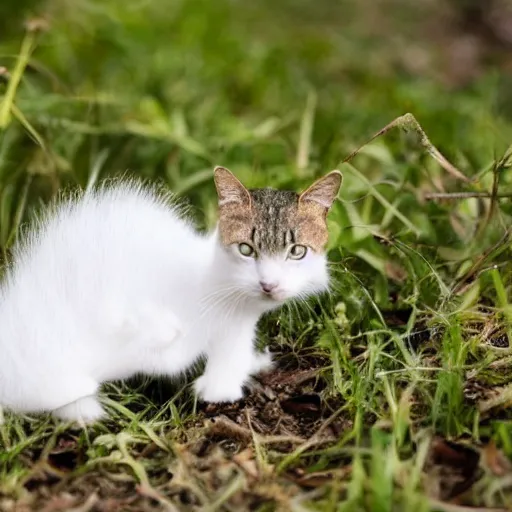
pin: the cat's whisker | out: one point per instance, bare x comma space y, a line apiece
294, 312
304, 299
231, 306
229, 311
207, 308
218, 301
219, 306
221, 291
223, 302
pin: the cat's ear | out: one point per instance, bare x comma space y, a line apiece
230, 189
323, 191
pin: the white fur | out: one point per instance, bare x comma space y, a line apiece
117, 282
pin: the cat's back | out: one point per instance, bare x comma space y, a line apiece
115, 234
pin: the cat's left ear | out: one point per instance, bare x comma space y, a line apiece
323, 191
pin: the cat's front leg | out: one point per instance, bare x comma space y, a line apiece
262, 362
231, 361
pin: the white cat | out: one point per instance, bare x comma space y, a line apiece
117, 282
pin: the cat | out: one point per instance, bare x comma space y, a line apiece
118, 282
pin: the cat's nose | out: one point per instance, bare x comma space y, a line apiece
268, 287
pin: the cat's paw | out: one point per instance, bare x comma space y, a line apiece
84, 411
217, 390
262, 362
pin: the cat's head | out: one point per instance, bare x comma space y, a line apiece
275, 240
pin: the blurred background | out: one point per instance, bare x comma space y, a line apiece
280, 92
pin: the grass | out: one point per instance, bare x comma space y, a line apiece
392, 391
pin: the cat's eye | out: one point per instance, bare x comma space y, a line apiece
297, 252
246, 250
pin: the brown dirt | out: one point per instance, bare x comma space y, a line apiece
283, 412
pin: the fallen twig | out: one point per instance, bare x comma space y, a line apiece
223, 426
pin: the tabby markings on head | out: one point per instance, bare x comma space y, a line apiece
272, 220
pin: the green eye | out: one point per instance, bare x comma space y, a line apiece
246, 250
297, 252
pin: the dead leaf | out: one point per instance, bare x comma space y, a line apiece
222, 426
292, 378
318, 478
61, 502
395, 272
453, 454
88, 505
501, 397
495, 460
246, 460
64, 455
42, 475
302, 404
450, 469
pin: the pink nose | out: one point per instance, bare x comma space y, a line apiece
268, 287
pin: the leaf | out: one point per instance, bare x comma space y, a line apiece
451, 468
495, 460
302, 404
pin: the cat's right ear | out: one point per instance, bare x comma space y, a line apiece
324, 191
229, 188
